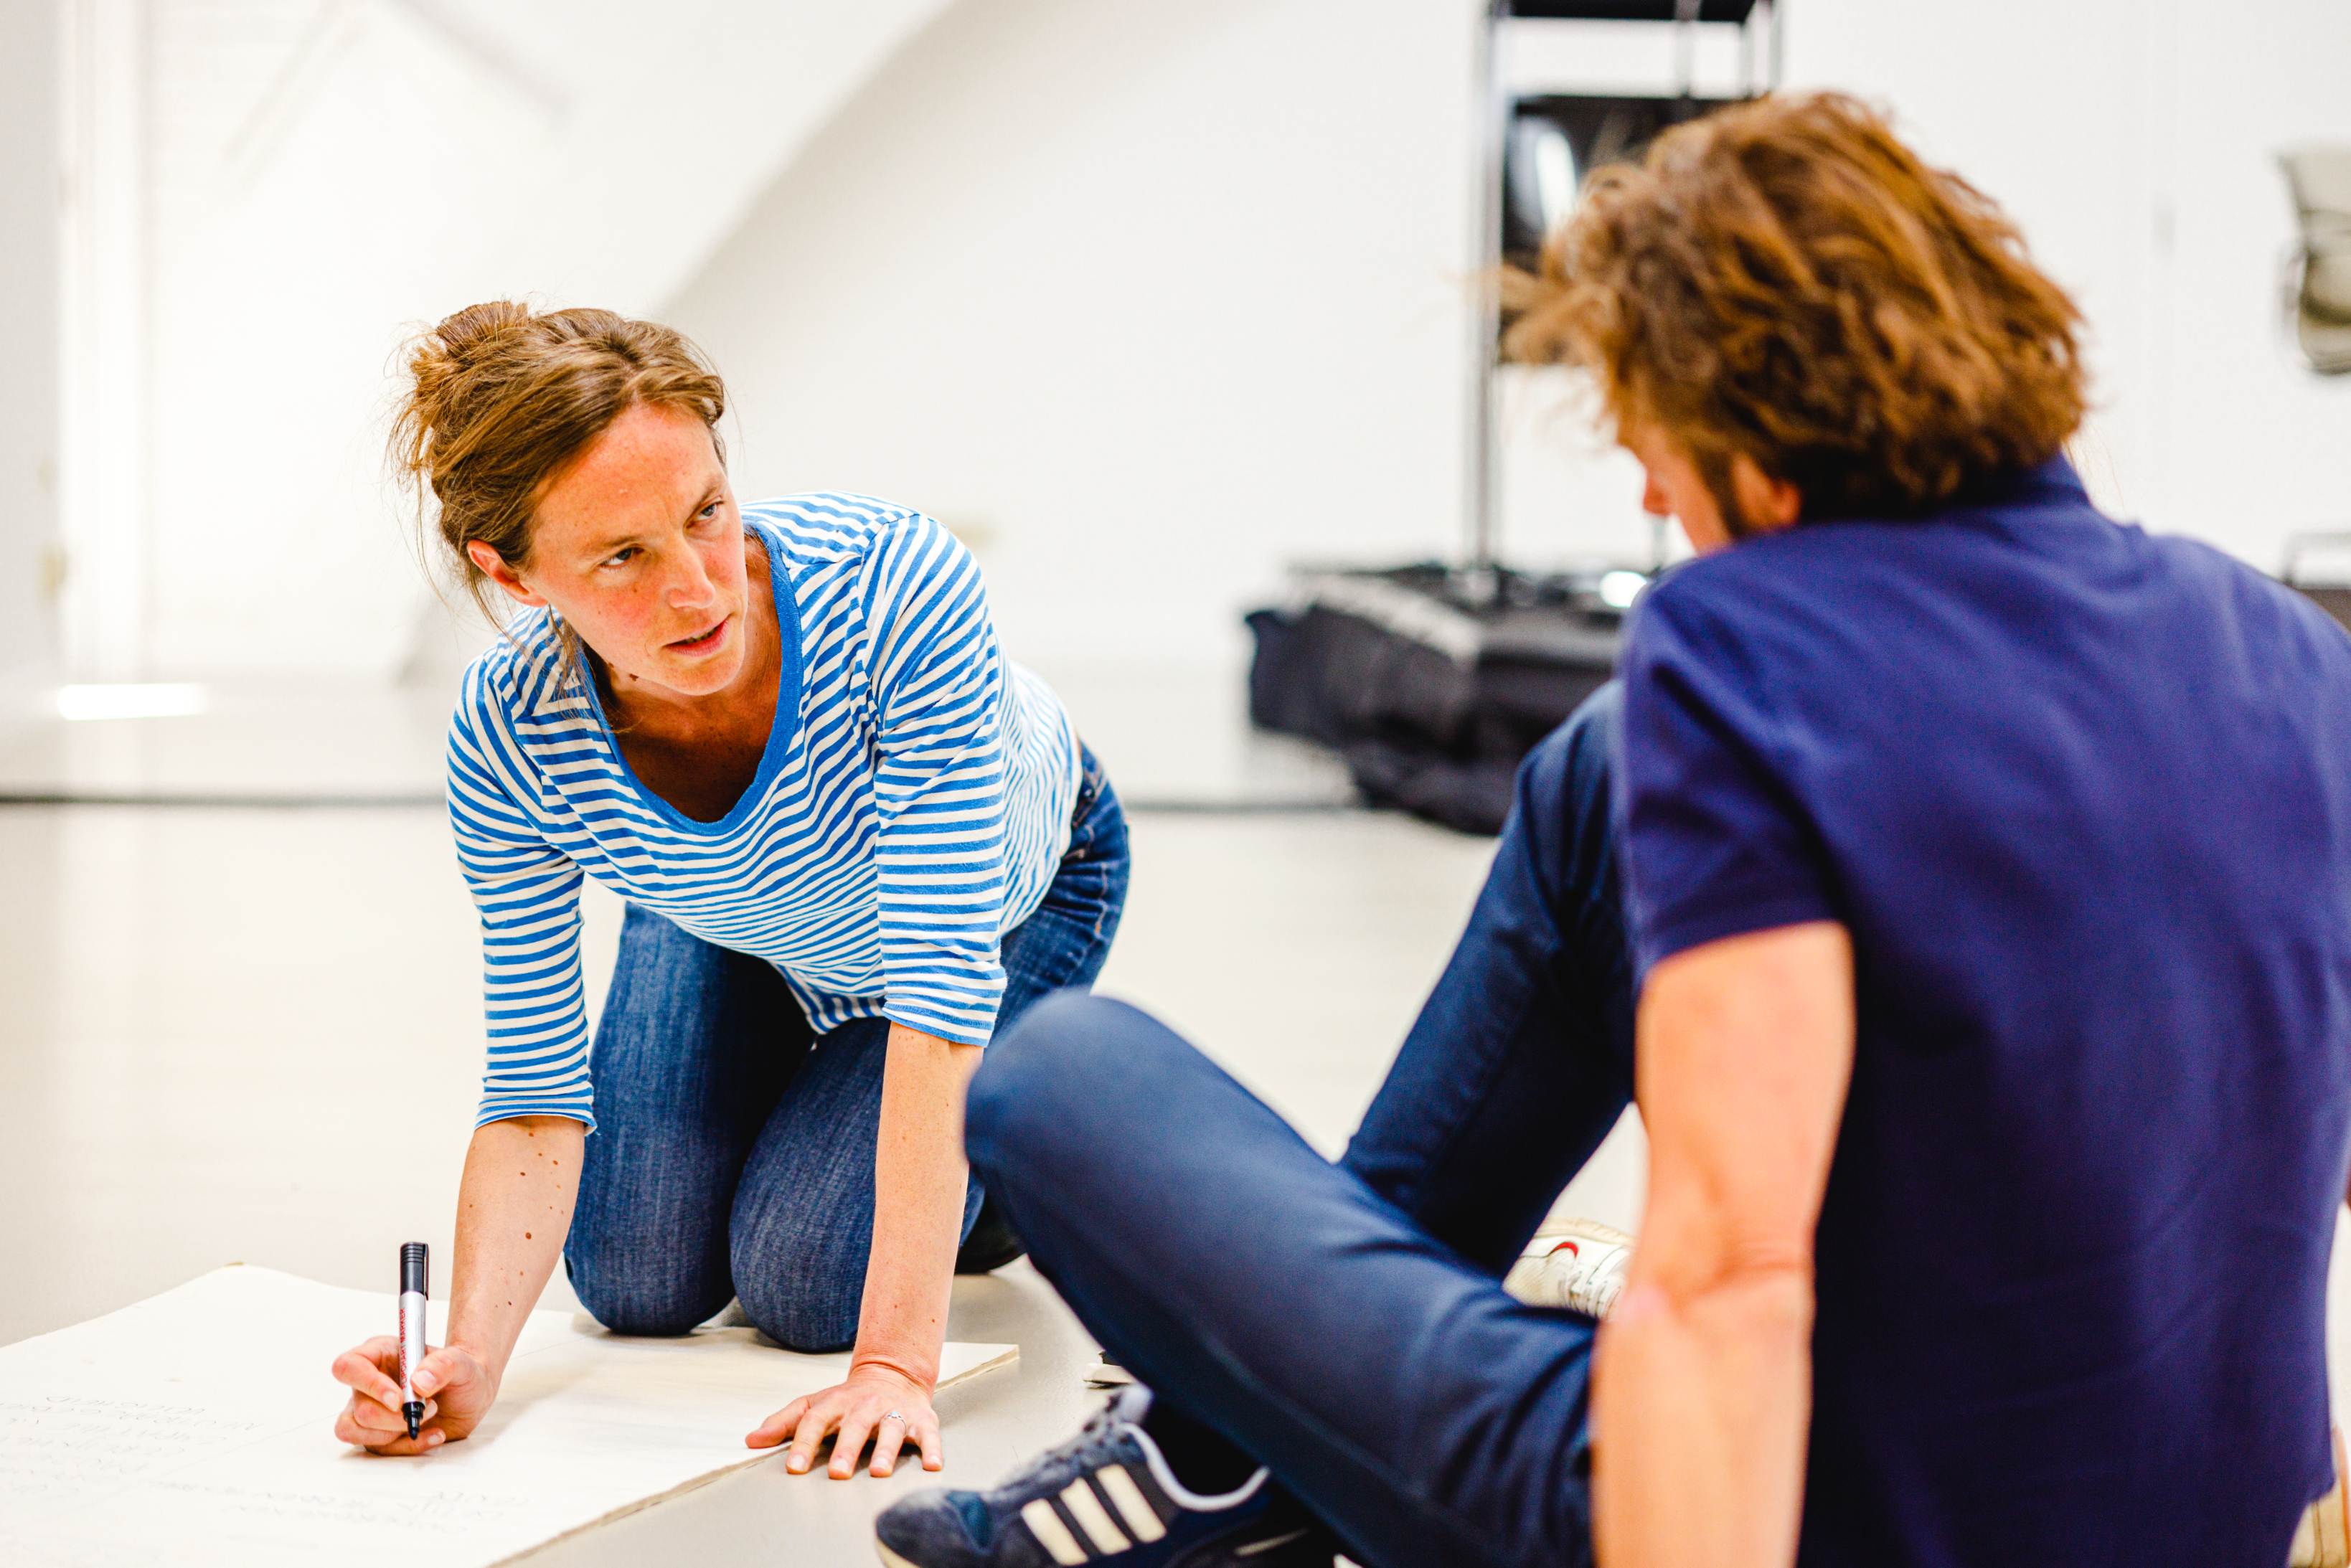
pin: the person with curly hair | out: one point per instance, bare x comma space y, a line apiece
1959, 881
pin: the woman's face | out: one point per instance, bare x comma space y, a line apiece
637, 544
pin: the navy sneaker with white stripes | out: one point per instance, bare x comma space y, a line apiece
1106, 1496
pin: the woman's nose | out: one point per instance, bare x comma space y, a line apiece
690, 585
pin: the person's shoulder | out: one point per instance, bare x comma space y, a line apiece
2196, 560
2264, 608
1691, 586
1787, 577
523, 670
1749, 586
830, 525
1803, 606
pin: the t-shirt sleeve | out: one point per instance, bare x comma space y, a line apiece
527, 894
939, 782
1716, 842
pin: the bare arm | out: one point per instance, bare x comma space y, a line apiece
1702, 1380
919, 1180
514, 1209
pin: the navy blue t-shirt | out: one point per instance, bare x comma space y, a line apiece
2083, 798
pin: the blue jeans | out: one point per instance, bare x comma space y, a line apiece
734, 1152
1344, 1324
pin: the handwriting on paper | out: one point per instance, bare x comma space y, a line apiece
59, 1447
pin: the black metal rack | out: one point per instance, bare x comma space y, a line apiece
1599, 129
1734, 12
1435, 679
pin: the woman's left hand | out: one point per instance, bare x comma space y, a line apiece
878, 1402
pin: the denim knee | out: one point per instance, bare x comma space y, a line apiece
802, 1304
656, 1293
1562, 811
1568, 767
1031, 1070
798, 1255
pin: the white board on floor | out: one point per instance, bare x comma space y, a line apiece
197, 1427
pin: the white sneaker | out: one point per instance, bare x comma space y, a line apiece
1575, 1263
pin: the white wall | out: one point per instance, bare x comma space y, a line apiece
2244, 445
1158, 296
2134, 141
31, 240
315, 178
1149, 297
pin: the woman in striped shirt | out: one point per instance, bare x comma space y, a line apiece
854, 839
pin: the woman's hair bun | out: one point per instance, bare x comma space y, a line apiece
468, 328
459, 343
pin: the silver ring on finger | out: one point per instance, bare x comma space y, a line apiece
893, 1415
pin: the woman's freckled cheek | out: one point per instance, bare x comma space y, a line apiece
631, 616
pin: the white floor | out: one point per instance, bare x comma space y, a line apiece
251, 1032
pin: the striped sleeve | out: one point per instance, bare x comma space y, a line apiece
939, 781
527, 893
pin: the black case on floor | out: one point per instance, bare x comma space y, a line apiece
1432, 697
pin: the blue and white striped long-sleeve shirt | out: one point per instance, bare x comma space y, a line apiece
911, 807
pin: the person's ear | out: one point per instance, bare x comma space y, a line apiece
1766, 505
487, 559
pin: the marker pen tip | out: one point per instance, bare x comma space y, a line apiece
415, 1414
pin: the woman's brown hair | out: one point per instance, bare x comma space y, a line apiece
499, 399
1785, 280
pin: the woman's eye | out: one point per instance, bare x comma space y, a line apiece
621, 557
709, 511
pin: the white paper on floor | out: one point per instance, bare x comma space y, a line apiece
198, 1427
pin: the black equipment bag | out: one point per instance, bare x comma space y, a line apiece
1433, 701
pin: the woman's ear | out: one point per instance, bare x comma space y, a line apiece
487, 562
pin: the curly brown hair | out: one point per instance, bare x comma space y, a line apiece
1785, 279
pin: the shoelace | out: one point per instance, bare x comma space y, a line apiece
1587, 1276
1077, 1456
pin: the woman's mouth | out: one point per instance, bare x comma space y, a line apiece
701, 643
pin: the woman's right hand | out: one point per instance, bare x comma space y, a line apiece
456, 1387
514, 1208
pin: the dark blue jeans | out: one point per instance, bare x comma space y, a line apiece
1344, 1324
732, 1155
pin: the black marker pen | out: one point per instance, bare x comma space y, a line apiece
412, 1329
